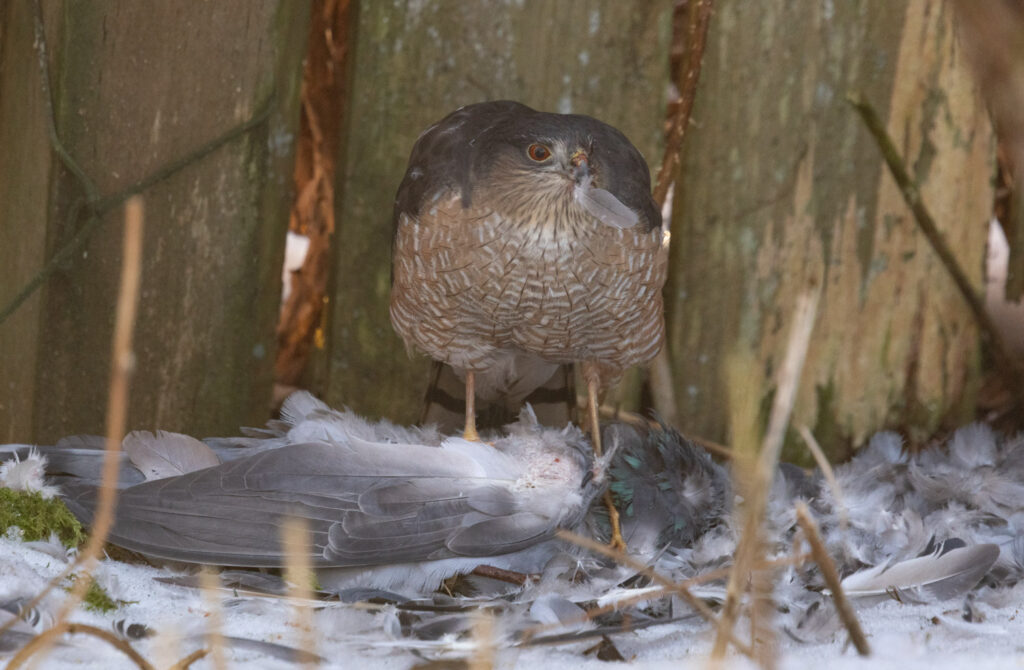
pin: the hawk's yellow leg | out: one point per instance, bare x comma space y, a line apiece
470, 431
616, 542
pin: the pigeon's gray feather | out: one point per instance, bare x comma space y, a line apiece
939, 575
162, 454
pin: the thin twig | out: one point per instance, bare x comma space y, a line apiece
648, 571
758, 483
120, 376
828, 472
299, 576
502, 575
1006, 364
828, 571
483, 636
47, 637
696, 39
210, 585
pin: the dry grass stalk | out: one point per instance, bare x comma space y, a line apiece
165, 648
753, 478
483, 635
299, 576
209, 583
828, 472
762, 616
646, 570
121, 367
831, 575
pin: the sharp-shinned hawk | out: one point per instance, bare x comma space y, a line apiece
526, 240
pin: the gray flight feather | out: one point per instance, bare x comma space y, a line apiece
939, 575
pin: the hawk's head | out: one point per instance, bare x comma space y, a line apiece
532, 164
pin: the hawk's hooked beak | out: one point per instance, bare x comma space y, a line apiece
580, 165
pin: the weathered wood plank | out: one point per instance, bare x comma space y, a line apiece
781, 186
414, 63
24, 178
137, 86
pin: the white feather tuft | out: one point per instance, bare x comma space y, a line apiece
27, 475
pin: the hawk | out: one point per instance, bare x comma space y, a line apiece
524, 241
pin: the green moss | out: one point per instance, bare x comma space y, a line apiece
37, 517
96, 598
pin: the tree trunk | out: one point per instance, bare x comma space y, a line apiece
415, 63
782, 188
135, 87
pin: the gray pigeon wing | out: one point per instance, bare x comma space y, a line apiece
215, 515
231, 514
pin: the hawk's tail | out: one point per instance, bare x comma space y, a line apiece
554, 402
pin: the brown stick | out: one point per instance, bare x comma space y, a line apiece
501, 575
660, 370
828, 571
1006, 364
696, 39
42, 641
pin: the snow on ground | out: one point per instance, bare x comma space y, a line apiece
903, 637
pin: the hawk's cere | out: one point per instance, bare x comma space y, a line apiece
525, 240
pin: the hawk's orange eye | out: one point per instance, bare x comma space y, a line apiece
539, 152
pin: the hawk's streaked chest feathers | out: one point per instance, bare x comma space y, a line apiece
534, 234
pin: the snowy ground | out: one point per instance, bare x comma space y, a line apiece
933, 636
